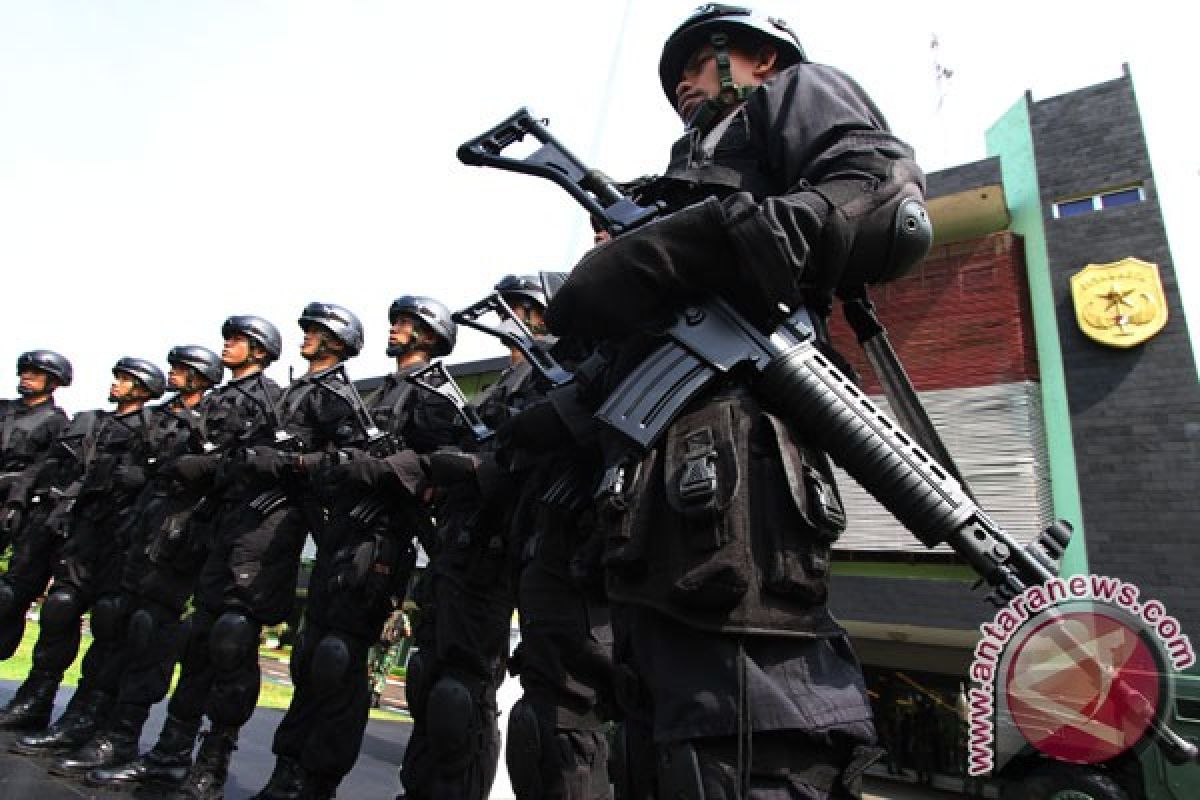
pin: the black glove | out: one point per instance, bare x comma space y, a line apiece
191, 468
262, 463
371, 473
129, 477
538, 427
448, 467
638, 281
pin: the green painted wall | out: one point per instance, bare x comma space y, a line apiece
1011, 138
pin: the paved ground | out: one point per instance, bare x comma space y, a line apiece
373, 777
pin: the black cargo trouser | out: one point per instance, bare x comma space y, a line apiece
86, 577
153, 646
348, 605
250, 576
557, 745
35, 550
324, 725
462, 640
714, 714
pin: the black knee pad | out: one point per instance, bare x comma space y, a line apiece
61, 609
141, 630
454, 729
330, 659
234, 638
8, 599
108, 617
523, 750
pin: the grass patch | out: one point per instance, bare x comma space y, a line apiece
17, 667
272, 695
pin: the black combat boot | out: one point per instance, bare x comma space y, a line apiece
286, 782
206, 779
166, 763
33, 704
103, 750
73, 728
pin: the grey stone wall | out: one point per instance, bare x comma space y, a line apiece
1135, 413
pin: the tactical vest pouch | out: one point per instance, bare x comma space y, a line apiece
800, 534
620, 518
20, 445
701, 475
165, 546
99, 477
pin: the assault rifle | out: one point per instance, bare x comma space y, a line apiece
513, 332
789, 373
379, 443
436, 378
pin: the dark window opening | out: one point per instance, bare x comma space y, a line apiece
1074, 208
1124, 197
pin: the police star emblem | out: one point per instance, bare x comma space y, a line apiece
1120, 304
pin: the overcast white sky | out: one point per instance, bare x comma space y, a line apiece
165, 165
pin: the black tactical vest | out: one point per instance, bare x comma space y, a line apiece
27, 432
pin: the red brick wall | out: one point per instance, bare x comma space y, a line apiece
961, 319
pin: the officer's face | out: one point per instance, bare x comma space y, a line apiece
124, 386
528, 312
32, 381
236, 351
700, 80
178, 377
311, 342
317, 340
403, 330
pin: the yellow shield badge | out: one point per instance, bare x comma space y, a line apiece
1121, 304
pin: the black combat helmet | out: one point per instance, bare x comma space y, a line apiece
715, 19
149, 376
526, 286
49, 362
432, 313
257, 330
201, 359
339, 321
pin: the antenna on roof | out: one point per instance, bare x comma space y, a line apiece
941, 76
941, 73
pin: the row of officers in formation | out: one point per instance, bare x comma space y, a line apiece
203, 503
676, 586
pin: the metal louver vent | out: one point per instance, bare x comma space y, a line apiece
996, 435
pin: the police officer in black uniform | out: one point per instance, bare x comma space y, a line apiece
116, 450
465, 595
249, 578
140, 672
734, 677
179, 533
29, 426
557, 744
365, 557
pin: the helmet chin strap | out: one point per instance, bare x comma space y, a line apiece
397, 350
729, 95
